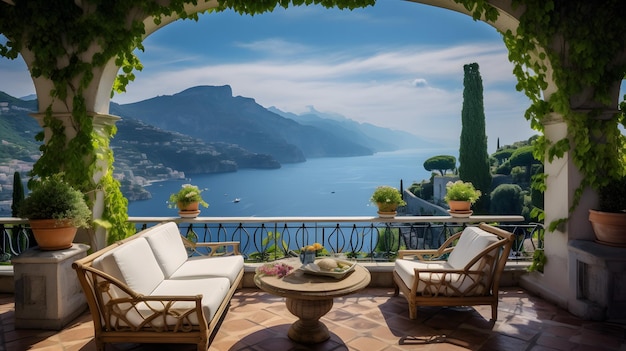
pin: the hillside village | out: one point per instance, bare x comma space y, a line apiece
135, 169
147, 153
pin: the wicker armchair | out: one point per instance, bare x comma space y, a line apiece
469, 275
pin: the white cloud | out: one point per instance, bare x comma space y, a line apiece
368, 84
419, 83
275, 47
377, 88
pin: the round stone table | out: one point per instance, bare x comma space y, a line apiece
309, 297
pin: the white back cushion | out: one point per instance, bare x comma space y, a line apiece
167, 246
107, 264
138, 266
472, 241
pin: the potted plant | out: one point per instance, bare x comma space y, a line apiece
188, 200
609, 220
387, 198
461, 195
55, 210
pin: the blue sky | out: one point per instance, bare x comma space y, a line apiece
397, 64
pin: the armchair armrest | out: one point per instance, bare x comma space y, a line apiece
423, 255
219, 248
430, 254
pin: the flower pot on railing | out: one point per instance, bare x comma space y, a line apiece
386, 210
388, 199
188, 200
459, 206
190, 210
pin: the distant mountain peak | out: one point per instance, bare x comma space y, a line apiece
224, 91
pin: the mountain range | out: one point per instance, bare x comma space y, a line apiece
213, 114
205, 129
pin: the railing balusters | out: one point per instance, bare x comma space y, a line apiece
266, 239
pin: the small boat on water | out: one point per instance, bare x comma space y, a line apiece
236, 200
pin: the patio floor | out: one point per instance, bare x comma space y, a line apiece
370, 320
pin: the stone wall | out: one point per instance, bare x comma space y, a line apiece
416, 206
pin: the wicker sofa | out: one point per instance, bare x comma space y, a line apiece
146, 288
464, 271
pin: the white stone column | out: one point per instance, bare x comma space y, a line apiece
563, 179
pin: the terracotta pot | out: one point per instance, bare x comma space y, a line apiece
609, 227
193, 206
390, 214
52, 234
385, 207
459, 206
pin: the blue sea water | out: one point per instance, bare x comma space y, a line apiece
317, 187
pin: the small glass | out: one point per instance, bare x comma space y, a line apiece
307, 257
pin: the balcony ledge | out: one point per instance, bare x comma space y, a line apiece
382, 277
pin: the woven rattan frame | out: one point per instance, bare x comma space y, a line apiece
492, 261
110, 320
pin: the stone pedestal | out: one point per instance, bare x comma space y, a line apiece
598, 278
47, 292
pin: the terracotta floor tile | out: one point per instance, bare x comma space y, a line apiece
556, 343
504, 343
372, 319
367, 344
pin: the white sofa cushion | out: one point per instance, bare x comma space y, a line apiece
472, 241
213, 291
167, 247
201, 267
138, 266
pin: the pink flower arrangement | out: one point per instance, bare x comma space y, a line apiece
278, 269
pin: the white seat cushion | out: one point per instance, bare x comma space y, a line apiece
167, 246
472, 241
213, 291
455, 282
406, 268
201, 267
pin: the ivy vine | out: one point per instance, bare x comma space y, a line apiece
584, 44
61, 34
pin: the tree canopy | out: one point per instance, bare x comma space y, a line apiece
440, 163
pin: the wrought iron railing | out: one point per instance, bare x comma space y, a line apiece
362, 238
270, 238
16, 238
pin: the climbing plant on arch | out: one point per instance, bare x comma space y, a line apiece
584, 43
67, 40
580, 46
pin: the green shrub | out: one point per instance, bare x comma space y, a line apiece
54, 198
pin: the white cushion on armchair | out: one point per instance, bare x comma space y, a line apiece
472, 241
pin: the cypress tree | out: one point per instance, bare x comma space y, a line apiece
18, 193
473, 156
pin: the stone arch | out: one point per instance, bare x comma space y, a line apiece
561, 187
